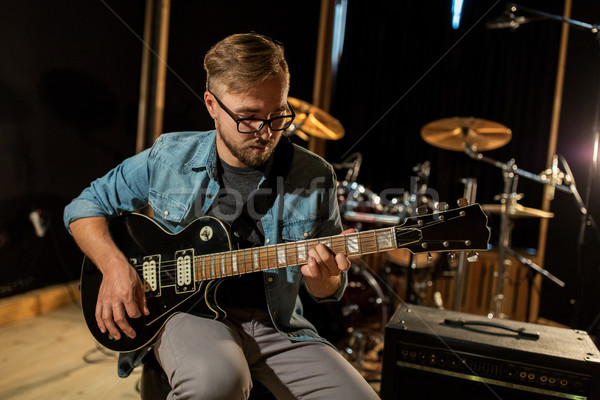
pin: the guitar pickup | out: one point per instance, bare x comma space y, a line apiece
151, 275
185, 281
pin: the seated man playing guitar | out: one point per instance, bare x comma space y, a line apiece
216, 322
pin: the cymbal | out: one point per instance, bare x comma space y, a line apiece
456, 133
516, 211
313, 121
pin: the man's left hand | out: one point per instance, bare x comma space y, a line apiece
322, 272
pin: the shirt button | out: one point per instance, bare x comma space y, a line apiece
209, 196
305, 234
270, 279
268, 240
166, 213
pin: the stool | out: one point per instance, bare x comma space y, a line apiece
154, 384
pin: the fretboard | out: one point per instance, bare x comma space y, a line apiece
237, 262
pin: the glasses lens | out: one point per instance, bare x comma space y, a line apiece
281, 123
250, 125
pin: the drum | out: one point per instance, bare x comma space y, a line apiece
354, 200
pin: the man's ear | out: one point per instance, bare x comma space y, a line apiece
211, 104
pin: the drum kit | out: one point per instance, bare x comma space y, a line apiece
371, 295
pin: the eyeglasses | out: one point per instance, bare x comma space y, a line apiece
253, 125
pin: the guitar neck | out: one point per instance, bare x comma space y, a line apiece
464, 228
255, 259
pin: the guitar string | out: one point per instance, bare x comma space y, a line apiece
266, 254
264, 257
271, 252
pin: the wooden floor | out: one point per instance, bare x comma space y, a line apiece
53, 356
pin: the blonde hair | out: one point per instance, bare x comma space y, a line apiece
242, 61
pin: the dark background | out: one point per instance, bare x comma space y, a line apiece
69, 88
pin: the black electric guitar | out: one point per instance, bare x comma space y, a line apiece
182, 270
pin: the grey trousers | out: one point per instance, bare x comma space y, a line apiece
208, 359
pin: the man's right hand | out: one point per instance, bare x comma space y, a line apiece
121, 295
121, 292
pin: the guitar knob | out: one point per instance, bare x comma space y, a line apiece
442, 206
462, 202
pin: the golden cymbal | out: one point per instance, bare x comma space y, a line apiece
313, 121
456, 133
516, 211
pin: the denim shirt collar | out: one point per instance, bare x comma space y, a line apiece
203, 159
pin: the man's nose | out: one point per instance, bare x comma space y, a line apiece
264, 133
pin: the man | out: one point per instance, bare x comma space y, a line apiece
230, 173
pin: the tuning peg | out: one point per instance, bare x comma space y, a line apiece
451, 257
442, 206
422, 210
462, 202
472, 256
429, 259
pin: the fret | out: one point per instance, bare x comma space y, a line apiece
368, 242
213, 273
281, 255
292, 254
384, 239
204, 277
243, 262
266, 263
352, 244
338, 244
301, 252
255, 259
196, 271
326, 241
234, 266
223, 269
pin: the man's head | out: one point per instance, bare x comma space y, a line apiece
240, 62
247, 81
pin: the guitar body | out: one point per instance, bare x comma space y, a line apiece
156, 254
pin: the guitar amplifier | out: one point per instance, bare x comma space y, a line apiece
433, 354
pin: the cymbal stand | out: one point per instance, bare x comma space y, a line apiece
508, 199
536, 268
469, 194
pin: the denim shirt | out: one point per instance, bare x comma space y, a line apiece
177, 177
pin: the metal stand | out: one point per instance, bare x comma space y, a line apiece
531, 276
508, 201
469, 194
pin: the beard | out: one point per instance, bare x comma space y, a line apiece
244, 152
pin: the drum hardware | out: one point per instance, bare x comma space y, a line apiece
352, 164
530, 277
365, 313
509, 208
313, 121
472, 135
470, 192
